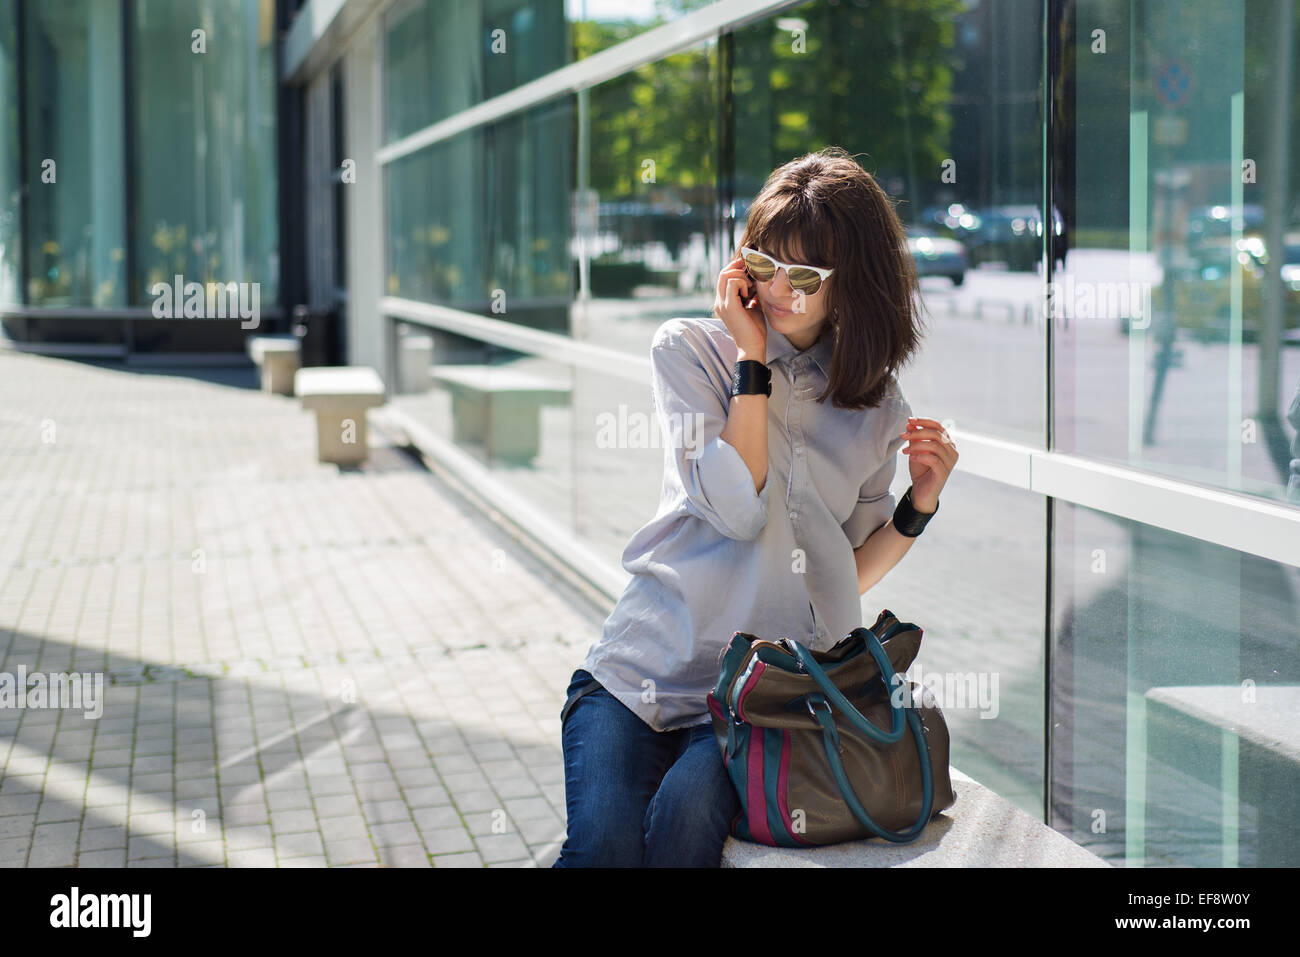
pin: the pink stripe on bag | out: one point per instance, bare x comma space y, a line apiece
782, 781
754, 788
714, 707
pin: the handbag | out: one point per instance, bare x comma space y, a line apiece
830, 746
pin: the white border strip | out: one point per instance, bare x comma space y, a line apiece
1243, 523
608, 64
511, 335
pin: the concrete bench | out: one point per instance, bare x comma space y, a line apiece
1244, 747
340, 395
499, 406
278, 358
979, 830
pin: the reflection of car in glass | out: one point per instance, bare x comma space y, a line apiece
1010, 234
1202, 286
936, 254
956, 220
1207, 222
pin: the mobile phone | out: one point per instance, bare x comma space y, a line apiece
753, 289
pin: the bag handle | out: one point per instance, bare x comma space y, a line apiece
831, 739
843, 705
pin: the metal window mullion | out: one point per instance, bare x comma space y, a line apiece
130, 258
1052, 17
24, 185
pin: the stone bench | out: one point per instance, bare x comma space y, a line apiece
499, 406
340, 395
979, 830
278, 358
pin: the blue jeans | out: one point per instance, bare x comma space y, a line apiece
637, 797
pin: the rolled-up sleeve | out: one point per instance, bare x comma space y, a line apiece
692, 412
876, 503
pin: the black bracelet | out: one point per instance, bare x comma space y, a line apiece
908, 520
751, 377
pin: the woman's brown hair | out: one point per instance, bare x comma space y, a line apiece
845, 221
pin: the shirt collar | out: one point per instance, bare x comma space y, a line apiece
781, 349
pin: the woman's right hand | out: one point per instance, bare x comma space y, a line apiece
745, 323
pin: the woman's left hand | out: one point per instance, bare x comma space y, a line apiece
932, 457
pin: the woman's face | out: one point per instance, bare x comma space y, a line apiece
794, 314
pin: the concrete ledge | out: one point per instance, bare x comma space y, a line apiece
979, 830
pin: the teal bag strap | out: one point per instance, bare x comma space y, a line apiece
831, 739
842, 704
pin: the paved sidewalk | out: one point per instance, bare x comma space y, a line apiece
303, 667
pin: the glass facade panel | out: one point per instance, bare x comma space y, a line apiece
607, 197
1165, 737
982, 654
1179, 314
480, 222
581, 447
204, 145
1176, 697
646, 235
76, 214
940, 103
431, 72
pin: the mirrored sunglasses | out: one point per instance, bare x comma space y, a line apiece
807, 279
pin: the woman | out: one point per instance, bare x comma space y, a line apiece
783, 417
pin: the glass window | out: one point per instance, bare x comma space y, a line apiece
1174, 664
204, 145
940, 103
646, 228
481, 221
76, 216
1176, 697
982, 652
1179, 309
430, 72
581, 447
608, 196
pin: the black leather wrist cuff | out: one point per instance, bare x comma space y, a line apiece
907, 519
751, 377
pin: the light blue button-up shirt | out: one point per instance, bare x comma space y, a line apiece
718, 557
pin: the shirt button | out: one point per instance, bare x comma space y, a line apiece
794, 514
798, 451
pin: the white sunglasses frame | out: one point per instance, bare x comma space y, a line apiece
822, 272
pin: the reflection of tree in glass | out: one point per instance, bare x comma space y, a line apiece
876, 78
